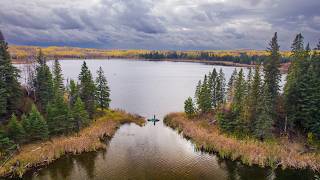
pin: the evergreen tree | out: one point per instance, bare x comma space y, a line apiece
10, 89
254, 97
87, 89
231, 83
73, 92
59, 119
189, 107
272, 75
79, 114
3, 98
220, 88
238, 102
5, 143
15, 130
212, 84
205, 103
103, 91
43, 83
198, 93
35, 126
294, 87
58, 85
264, 122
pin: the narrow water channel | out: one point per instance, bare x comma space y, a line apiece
153, 151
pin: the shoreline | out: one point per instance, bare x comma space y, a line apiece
92, 138
249, 151
284, 66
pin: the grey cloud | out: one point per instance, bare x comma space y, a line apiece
166, 24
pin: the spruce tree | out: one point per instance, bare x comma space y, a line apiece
15, 130
3, 98
263, 125
212, 84
205, 104
58, 85
238, 102
189, 107
43, 83
5, 142
73, 92
254, 97
220, 87
10, 89
58, 117
103, 91
35, 126
230, 86
272, 76
79, 114
87, 89
294, 87
198, 93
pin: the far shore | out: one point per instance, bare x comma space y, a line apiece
276, 153
92, 138
284, 66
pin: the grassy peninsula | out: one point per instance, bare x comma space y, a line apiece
274, 153
91, 138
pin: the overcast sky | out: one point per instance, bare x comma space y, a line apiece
159, 24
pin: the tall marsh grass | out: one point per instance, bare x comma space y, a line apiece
280, 152
88, 139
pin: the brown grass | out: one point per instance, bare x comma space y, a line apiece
88, 139
250, 151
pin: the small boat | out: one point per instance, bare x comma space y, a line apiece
154, 120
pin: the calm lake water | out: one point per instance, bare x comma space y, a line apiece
153, 151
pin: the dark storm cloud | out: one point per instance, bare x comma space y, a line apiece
159, 24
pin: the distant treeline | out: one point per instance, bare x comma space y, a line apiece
27, 53
242, 58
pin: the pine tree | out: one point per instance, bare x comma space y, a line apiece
189, 107
3, 98
294, 87
264, 122
238, 102
5, 143
73, 92
79, 114
212, 84
10, 89
205, 104
230, 88
103, 91
197, 94
272, 76
15, 130
254, 97
220, 88
35, 126
43, 83
87, 89
58, 117
58, 85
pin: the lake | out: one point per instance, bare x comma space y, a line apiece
154, 151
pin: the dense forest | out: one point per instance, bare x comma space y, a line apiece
45, 107
256, 106
27, 54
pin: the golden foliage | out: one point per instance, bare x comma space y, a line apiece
250, 151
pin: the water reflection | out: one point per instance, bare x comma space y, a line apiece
152, 151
